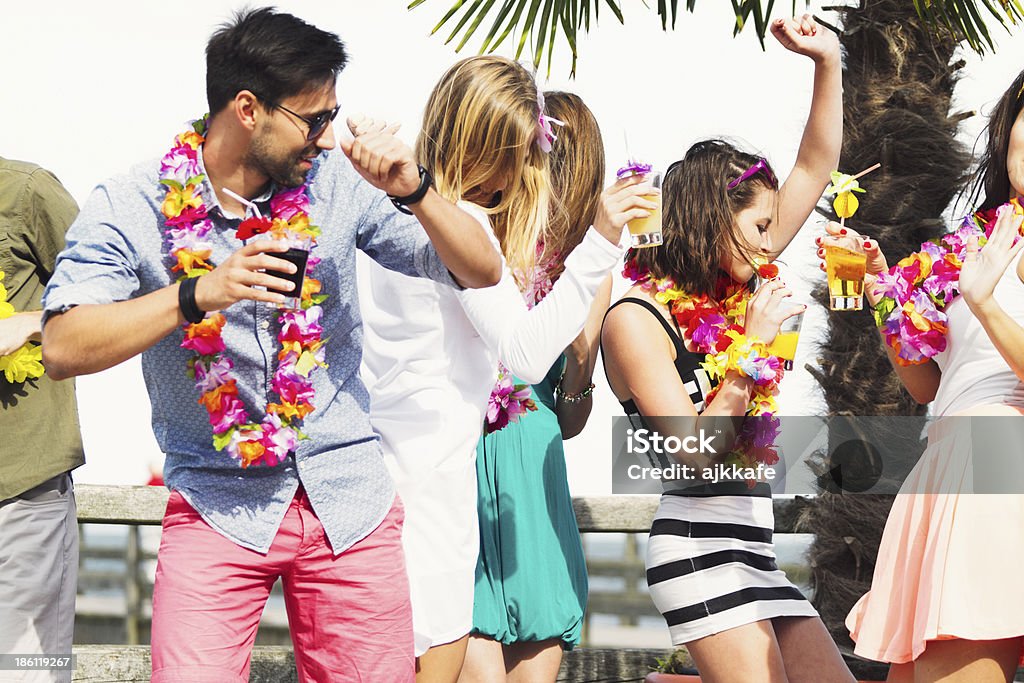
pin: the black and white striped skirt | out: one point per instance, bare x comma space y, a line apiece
711, 564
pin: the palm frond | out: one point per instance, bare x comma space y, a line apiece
540, 22
967, 21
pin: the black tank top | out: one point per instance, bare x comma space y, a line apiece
698, 385
695, 379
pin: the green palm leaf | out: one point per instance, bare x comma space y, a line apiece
966, 19
539, 23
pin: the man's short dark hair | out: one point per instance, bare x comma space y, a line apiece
273, 54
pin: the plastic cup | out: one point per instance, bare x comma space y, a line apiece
297, 254
646, 232
845, 265
785, 342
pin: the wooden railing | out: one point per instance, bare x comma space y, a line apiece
141, 505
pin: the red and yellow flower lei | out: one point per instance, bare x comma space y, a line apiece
715, 326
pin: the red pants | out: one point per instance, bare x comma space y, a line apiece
349, 614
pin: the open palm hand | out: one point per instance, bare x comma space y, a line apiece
983, 268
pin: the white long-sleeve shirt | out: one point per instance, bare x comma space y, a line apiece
430, 352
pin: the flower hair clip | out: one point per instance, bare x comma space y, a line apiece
545, 132
760, 166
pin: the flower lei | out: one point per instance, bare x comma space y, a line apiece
916, 291
508, 402
25, 362
270, 440
716, 328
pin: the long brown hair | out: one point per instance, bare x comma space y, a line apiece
992, 180
480, 127
577, 174
698, 215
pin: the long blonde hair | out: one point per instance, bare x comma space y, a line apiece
480, 128
577, 174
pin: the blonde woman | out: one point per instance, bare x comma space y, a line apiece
531, 580
431, 353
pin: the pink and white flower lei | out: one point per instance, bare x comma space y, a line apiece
911, 313
272, 439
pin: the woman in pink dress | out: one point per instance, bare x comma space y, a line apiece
947, 599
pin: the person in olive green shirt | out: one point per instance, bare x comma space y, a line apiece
40, 442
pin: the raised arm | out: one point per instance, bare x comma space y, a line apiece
981, 270
389, 165
529, 341
823, 134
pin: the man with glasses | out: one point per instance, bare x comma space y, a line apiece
316, 125
273, 467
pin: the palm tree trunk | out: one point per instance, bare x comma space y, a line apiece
898, 84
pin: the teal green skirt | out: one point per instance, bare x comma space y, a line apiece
531, 576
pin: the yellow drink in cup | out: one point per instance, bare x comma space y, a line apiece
784, 345
845, 266
785, 342
644, 232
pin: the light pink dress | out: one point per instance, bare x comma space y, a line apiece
950, 561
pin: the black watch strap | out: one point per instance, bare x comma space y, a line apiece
402, 203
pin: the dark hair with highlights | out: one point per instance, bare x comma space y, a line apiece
273, 54
698, 215
992, 180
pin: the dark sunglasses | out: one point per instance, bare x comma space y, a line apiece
316, 125
760, 167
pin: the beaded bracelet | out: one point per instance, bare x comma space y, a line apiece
573, 398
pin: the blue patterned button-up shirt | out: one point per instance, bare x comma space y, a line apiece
116, 251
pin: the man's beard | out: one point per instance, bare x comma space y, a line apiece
284, 170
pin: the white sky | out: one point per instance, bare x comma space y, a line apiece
91, 88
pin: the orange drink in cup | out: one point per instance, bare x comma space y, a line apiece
845, 265
645, 232
785, 342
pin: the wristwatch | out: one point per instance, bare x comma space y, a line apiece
403, 203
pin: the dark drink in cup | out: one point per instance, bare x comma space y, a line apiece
298, 257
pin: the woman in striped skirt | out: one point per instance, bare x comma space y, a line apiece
686, 354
